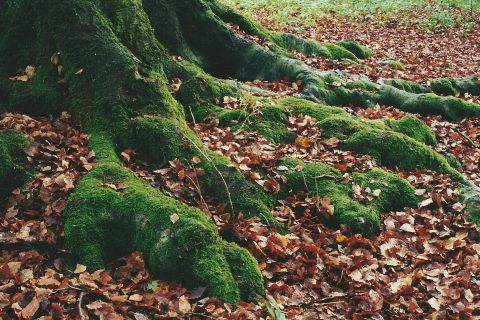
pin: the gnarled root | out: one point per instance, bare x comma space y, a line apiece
178, 242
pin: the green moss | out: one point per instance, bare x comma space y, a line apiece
274, 132
338, 52
231, 117
397, 150
159, 139
291, 42
394, 64
395, 193
340, 126
343, 96
230, 15
414, 128
198, 88
358, 50
102, 223
271, 124
245, 271
470, 195
451, 108
344, 126
14, 169
144, 133
361, 85
445, 87
299, 106
34, 99
452, 160
406, 85
324, 181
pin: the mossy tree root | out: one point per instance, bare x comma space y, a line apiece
411, 97
116, 68
442, 86
403, 143
14, 168
324, 181
122, 89
178, 242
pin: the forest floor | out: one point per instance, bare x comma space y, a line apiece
423, 265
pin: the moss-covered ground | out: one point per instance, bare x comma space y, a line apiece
14, 168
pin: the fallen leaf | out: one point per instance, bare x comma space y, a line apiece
174, 218
80, 268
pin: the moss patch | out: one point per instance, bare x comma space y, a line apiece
323, 181
361, 85
358, 50
444, 87
406, 85
14, 169
394, 64
397, 150
396, 193
414, 128
158, 139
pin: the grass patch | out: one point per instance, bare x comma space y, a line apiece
302, 14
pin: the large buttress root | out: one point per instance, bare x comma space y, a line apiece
116, 69
111, 93
179, 242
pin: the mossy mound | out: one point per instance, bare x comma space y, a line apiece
14, 169
406, 85
179, 242
310, 47
414, 128
361, 85
354, 47
322, 180
396, 150
395, 193
451, 108
456, 86
394, 64
470, 195
444, 87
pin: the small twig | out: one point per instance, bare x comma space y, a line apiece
80, 311
205, 155
304, 180
327, 303
74, 288
196, 184
341, 277
331, 176
193, 117
470, 141
201, 315
250, 114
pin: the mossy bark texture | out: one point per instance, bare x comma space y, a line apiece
113, 65
14, 169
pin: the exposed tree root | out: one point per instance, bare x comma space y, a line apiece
112, 71
179, 242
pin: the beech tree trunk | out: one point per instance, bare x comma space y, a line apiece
110, 63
